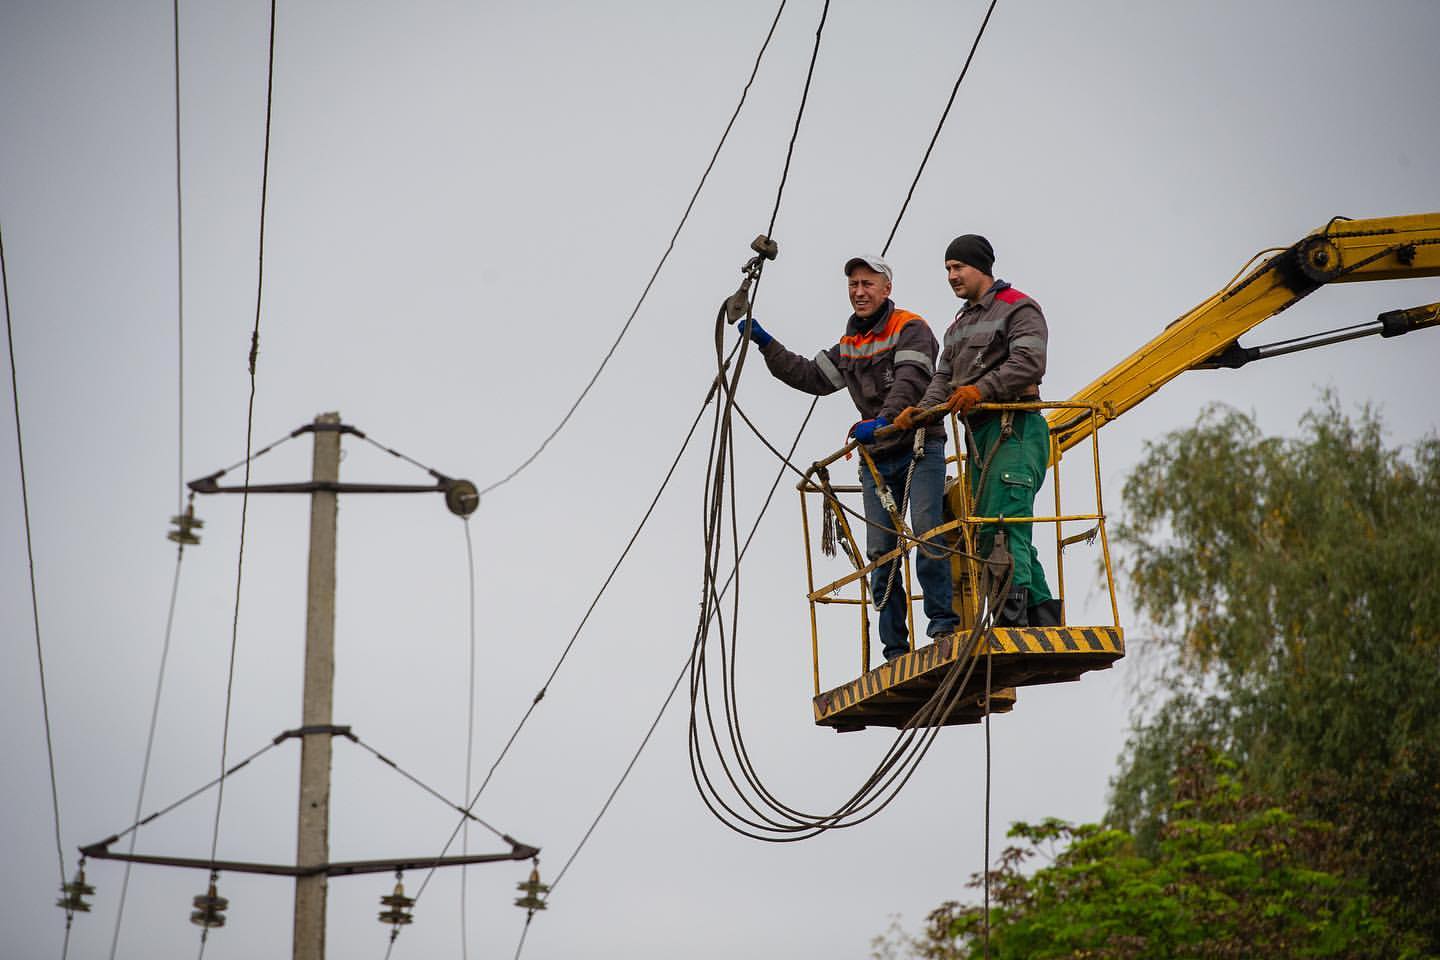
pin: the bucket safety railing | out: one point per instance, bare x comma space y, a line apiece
842, 521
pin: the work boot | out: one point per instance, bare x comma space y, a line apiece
1013, 611
1046, 613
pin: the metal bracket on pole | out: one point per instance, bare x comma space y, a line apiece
461, 496
101, 851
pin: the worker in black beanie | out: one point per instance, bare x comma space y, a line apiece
974, 250
994, 352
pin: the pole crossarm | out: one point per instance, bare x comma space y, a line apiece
518, 851
208, 485
461, 496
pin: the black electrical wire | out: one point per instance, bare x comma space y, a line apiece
529, 915
575, 635
179, 472
986, 861
665, 705
890, 775
179, 280
684, 217
944, 114
764, 508
723, 444
898, 765
795, 131
788, 464
469, 740
716, 384
34, 596
249, 435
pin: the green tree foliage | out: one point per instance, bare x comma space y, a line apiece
1295, 585
1231, 876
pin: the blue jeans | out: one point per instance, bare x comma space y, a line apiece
932, 567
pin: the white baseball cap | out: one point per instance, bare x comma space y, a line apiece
874, 263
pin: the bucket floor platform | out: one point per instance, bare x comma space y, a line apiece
890, 695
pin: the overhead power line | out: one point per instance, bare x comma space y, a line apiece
249, 439
179, 473
684, 217
944, 114
469, 736
30, 565
768, 818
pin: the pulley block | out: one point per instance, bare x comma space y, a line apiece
462, 497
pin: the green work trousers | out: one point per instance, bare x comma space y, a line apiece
1016, 472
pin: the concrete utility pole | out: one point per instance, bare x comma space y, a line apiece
316, 732
312, 845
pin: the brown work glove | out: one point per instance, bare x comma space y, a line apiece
963, 399
910, 418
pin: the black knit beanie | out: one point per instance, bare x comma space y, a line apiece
974, 250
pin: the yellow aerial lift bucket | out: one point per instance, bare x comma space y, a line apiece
992, 662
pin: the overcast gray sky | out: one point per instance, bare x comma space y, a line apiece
465, 202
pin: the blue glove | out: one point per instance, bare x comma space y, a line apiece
864, 431
751, 327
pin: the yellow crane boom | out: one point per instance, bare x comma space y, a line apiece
1343, 251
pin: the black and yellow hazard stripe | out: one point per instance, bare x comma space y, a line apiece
1075, 650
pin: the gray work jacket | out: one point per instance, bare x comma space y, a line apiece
997, 342
884, 361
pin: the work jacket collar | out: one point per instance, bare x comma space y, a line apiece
988, 297
876, 320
